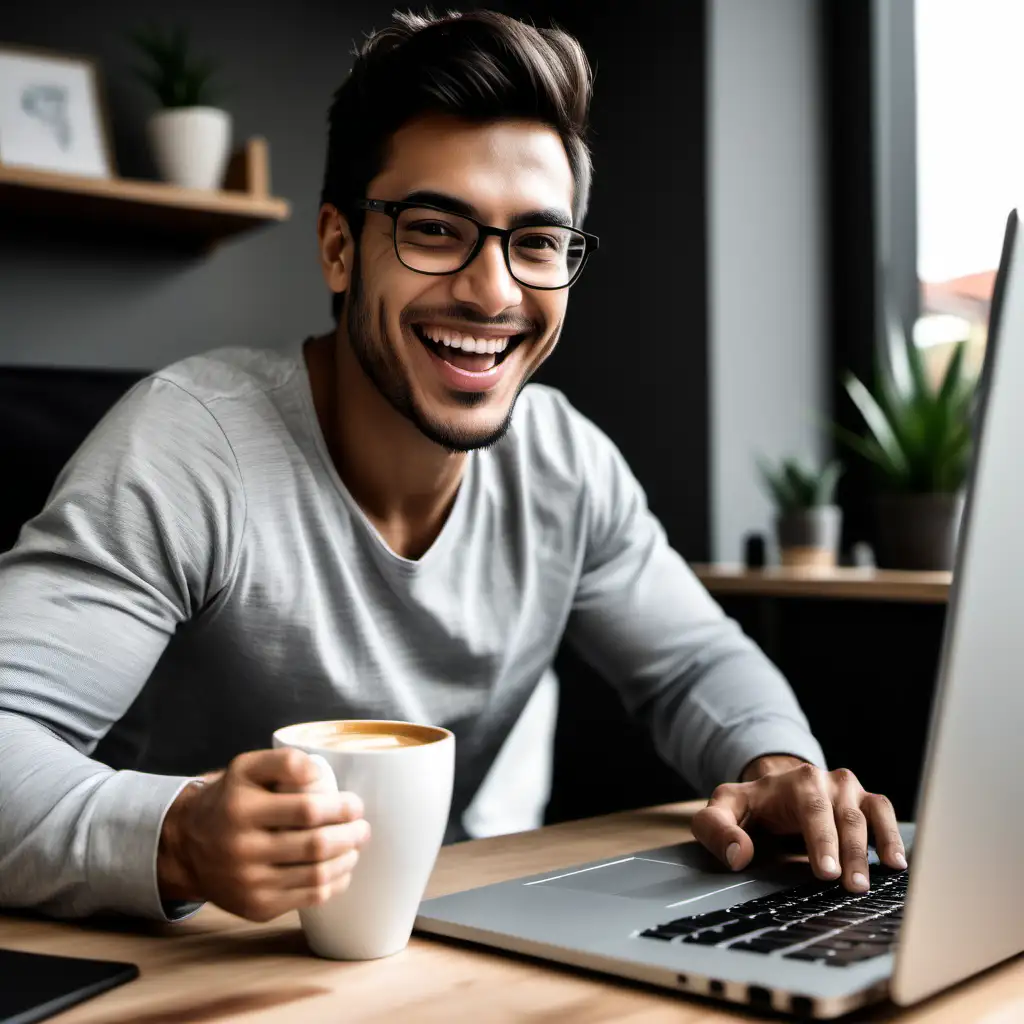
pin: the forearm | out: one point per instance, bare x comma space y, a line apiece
77, 838
731, 708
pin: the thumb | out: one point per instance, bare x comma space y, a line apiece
716, 827
282, 769
322, 780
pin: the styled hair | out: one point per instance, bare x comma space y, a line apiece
480, 66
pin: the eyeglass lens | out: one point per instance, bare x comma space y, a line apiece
439, 243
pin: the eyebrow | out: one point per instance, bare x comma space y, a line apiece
552, 215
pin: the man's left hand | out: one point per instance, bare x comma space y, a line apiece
784, 796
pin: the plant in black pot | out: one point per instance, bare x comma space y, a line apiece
918, 440
807, 523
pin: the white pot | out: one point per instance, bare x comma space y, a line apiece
191, 145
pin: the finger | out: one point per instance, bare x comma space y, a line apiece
317, 895
817, 822
265, 904
310, 846
853, 830
884, 827
312, 876
300, 810
716, 826
285, 766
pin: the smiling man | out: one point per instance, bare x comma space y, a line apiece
386, 522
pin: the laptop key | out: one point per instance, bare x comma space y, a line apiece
791, 936
709, 938
855, 956
731, 931
711, 920
759, 945
713, 936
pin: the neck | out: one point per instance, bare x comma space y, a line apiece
404, 483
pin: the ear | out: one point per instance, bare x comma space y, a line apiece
337, 248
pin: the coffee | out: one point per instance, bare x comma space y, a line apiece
357, 735
368, 741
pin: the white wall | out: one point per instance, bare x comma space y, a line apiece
766, 230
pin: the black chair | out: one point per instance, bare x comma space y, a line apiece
45, 414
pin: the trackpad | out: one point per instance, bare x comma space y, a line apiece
643, 879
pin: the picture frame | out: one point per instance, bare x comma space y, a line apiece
52, 114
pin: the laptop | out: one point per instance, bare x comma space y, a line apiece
773, 937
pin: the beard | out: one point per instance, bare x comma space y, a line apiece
380, 362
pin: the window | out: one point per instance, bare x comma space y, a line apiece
970, 163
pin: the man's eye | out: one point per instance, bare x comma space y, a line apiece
433, 227
539, 242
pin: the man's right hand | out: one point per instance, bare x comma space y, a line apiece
239, 843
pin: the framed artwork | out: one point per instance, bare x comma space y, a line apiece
51, 114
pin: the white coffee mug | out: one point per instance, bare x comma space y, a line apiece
406, 789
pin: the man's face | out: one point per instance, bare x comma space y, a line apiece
398, 320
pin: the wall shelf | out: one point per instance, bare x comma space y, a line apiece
188, 218
847, 583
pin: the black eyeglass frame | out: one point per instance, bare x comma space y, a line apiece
392, 208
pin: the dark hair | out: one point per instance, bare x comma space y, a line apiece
480, 66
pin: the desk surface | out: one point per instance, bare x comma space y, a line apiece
217, 968
847, 583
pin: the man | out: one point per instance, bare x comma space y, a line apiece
380, 523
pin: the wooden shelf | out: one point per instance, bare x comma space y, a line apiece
847, 583
192, 218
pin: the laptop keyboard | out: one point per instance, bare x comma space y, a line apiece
819, 921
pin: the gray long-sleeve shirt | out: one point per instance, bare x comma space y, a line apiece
200, 576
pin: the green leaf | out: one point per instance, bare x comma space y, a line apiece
899, 377
826, 486
177, 79
877, 421
776, 484
952, 383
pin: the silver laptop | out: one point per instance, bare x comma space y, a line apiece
774, 937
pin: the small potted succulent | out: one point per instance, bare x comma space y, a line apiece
191, 138
918, 440
807, 522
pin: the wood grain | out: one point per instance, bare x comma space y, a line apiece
216, 968
847, 583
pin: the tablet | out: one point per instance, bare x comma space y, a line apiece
34, 986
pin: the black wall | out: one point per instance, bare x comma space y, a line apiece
634, 355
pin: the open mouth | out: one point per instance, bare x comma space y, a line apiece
474, 355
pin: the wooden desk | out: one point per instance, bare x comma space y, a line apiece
216, 968
847, 583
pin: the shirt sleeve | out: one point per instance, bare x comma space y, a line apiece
710, 698
139, 534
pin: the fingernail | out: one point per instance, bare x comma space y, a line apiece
829, 866
859, 880
364, 831
899, 860
731, 853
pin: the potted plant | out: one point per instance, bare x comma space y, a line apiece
918, 440
191, 139
807, 523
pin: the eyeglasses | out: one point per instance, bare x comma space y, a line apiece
432, 240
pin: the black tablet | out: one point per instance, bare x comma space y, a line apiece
34, 986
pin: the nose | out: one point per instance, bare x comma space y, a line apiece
486, 282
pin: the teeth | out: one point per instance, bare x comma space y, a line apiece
453, 339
